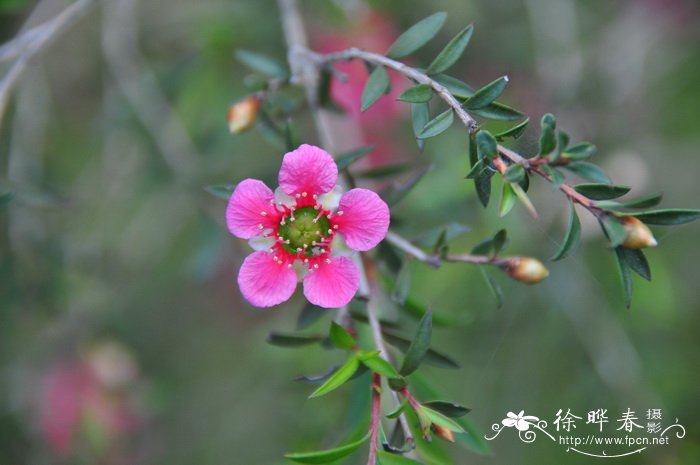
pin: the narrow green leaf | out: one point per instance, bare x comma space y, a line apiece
668, 217
572, 237
637, 262
562, 141
341, 337
456, 87
309, 314
514, 132
432, 357
493, 287
507, 199
381, 367
625, 276
385, 171
500, 239
476, 169
292, 340
482, 181
487, 94
645, 201
343, 374
524, 199
580, 151
386, 458
498, 111
402, 284
601, 191
398, 410
222, 191
614, 230
419, 346
548, 140
420, 115
417, 35
345, 159
452, 51
327, 456
486, 145
441, 420
437, 125
588, 171
396, 191
261, 63
514, 173
474, 438
416, 94
449, 409
377, 85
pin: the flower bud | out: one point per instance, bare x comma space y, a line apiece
526, 269
638, 234
242, 114
444, 433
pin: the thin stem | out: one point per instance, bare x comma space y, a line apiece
436, 260
305, 71
468, 121
375, 418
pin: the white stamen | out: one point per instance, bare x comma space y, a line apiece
335, 226
304, 194
299, 249
260, 226
316, 265
263, 213
328, 260
330, 231
340, 212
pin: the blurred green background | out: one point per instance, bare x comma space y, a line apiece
123, 337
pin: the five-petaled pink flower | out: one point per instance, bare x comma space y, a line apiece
297, 231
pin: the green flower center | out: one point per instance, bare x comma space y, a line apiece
303, 232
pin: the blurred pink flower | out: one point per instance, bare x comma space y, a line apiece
74, 396
294, 231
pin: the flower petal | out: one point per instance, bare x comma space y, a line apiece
308, 169
244, 212
264, 282
333, 284
365, 219
522, 425
509, 422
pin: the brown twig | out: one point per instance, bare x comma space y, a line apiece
435, 260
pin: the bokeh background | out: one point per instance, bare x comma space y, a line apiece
123, 336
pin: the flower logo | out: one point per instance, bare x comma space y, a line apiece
304, 231
520, 421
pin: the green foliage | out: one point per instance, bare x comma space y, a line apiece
548, 139
292, 340
338, 378
449, 409
417, 35
419, 345
572, 237
377, 85
452, 51
588, 171
601, 191
261, 63
222, 191
327, 456
487, 94
514, 132
340, 337
486, 145
417, 94
437, 125
668, 217
385, 458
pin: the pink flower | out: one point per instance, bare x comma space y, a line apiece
297, 231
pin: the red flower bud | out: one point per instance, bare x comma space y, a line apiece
242, 114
